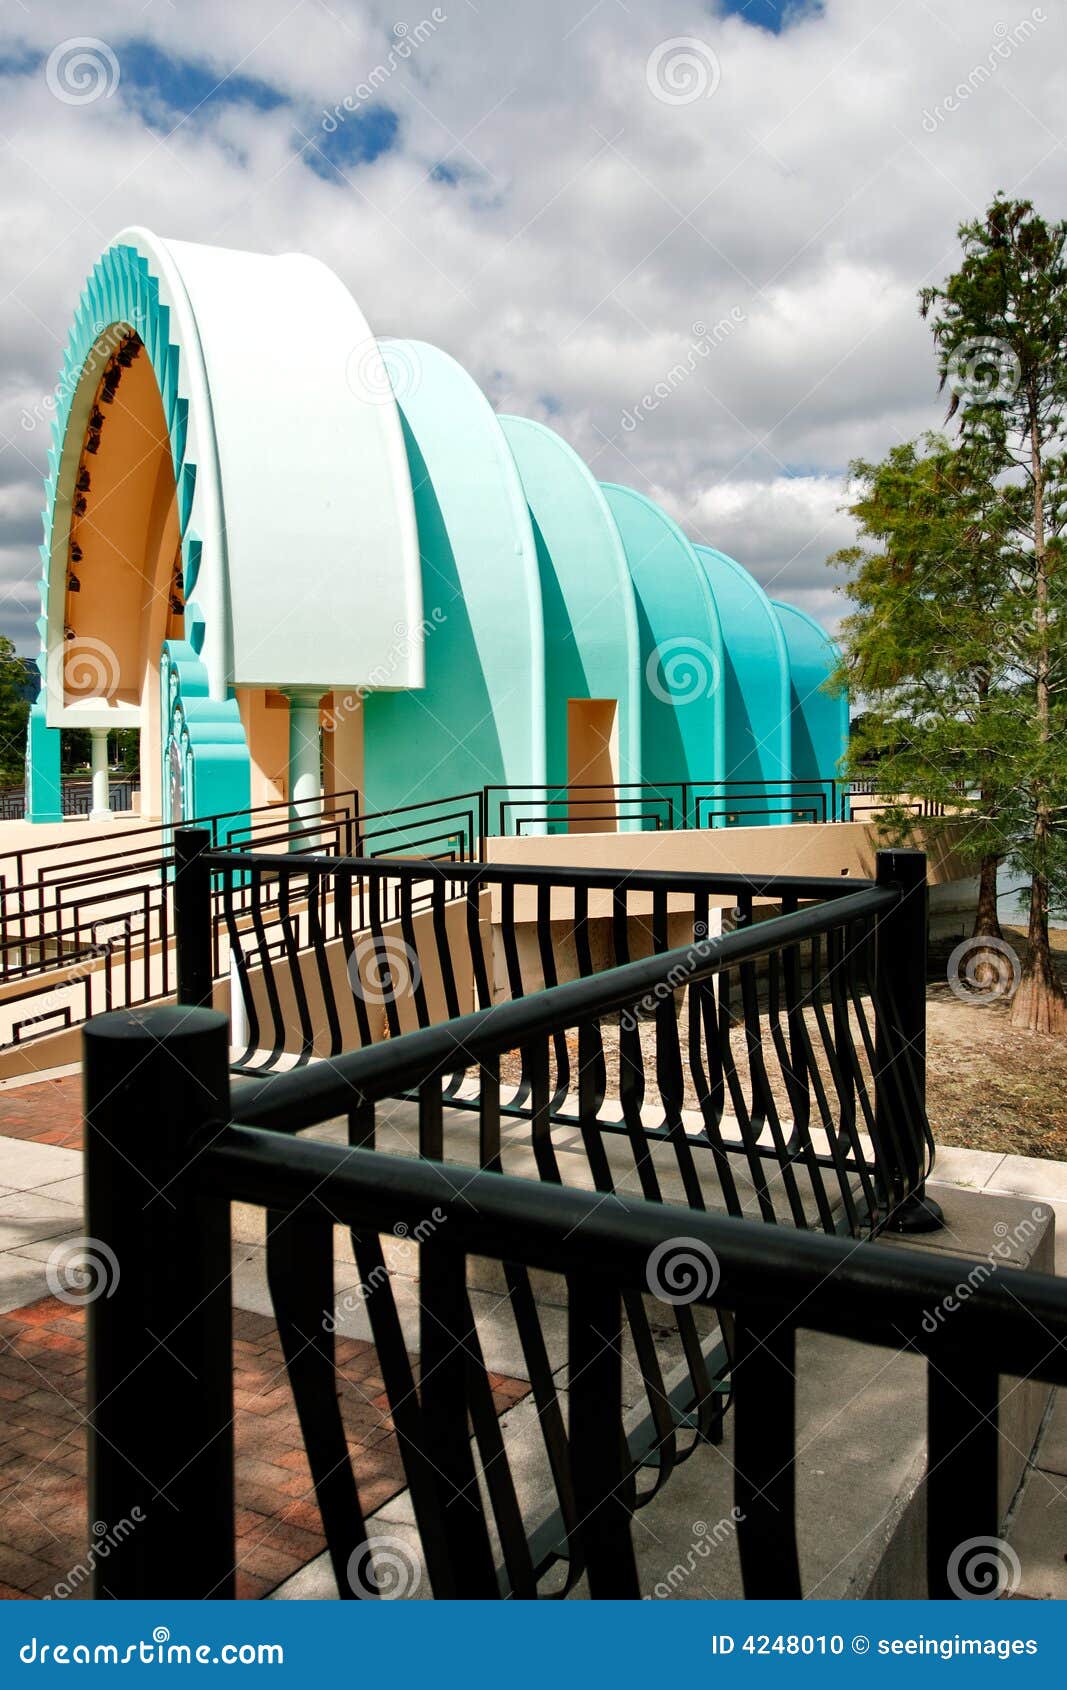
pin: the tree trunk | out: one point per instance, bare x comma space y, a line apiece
1040, 1004
986, 920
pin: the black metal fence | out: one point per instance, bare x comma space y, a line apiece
777, 1068
650, 806
76, 798
161, 1415
773, 1071
97, 918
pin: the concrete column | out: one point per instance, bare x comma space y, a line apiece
305, 777
101, 810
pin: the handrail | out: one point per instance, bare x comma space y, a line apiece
595, 879
299, 1098
841, 1286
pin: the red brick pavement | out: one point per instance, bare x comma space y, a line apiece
48, 1112
43, 1519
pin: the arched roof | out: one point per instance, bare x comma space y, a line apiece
681, 663
756, 687
819, 718
592, 647
297, 522
479, 718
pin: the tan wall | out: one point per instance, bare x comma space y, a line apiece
265, 718
592, 760
798, 848
342, 743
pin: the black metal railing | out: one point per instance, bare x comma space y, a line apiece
161, 1403
654, 806
76, 798
781, 1064
98, 919
775, 1071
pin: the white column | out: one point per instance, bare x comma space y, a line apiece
305, 772
101, 810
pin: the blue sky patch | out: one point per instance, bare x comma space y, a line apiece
20, 61
164, 89
359, 137
772, 15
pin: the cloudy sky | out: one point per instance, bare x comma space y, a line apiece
689, 236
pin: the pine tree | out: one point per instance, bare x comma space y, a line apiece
1000, 327
922, 648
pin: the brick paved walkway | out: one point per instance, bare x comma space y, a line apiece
47, 1112
44, 1529
43, 1521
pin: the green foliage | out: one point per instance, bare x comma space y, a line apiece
14, 713
956, 637
923, 643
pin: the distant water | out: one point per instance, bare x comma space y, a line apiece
1013, 906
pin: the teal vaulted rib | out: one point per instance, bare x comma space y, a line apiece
479, 719
683, 729
820, 720
592, 646
757, 702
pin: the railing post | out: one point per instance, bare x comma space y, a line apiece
901, 939
192, 915
160, 1364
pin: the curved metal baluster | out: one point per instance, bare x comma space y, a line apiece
291, 942
632, 1065
764, 1109
764, 1391
317, 941
550, 976
300, 1278
270, 984
237, 954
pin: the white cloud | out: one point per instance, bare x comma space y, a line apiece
590, 225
